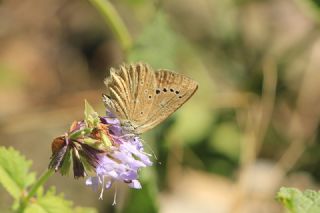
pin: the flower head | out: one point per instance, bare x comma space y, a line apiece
98, 148
122, 161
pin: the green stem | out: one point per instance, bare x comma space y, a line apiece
44, 177
112, 18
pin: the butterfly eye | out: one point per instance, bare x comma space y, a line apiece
157, 91
164, 89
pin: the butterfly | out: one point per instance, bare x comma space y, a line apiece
141, 98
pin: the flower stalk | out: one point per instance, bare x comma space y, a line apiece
44, 177
112, 18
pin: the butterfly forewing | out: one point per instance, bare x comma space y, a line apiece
117, 97
130, 93
172, 91
144, 93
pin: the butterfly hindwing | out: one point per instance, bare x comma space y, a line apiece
172, 91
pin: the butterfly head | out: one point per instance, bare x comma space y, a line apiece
128, 127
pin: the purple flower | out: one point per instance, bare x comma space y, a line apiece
122, 161
98, 146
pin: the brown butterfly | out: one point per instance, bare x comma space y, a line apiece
142, 98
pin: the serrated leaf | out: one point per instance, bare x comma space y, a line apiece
35, 208
14, 171
299, 202
156, 44
50, 202
53, 203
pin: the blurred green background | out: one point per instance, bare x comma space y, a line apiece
252, 126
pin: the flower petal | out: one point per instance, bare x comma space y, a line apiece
135, 184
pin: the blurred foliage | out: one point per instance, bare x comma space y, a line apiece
299, 202
146, 197
156, 44
8, 78
226, 140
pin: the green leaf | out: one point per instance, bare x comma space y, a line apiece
90, 115
49, 202
14, 171
84, 210
156, 44
52, 203
299, 202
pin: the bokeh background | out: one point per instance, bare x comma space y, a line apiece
252, 126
